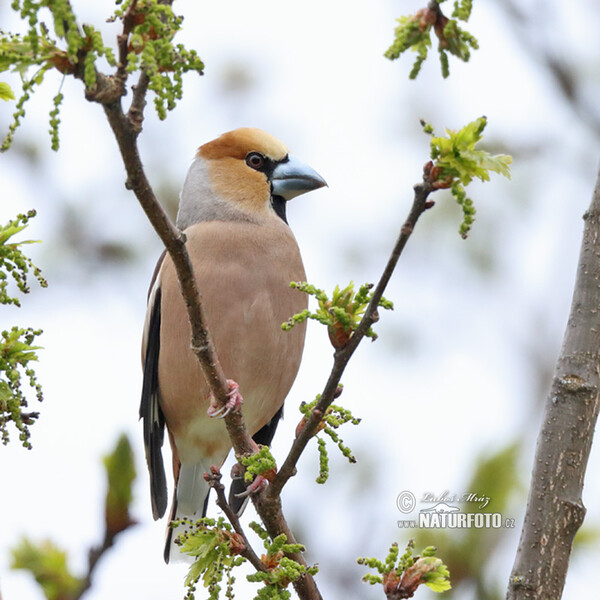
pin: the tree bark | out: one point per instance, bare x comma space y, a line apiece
555, 509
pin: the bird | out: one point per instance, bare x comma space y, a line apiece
232, 210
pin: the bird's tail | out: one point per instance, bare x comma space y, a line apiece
190, 500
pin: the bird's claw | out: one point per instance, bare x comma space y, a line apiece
259, 483
234, 400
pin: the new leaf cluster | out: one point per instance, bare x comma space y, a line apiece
259, 463
414, 33
16, 352
341, 313
49, 566
75, 50
334, 417
14, 262
120, 473
280, 570
401, 575
151, 50
146, 45
17, 349
217, 550
455, 162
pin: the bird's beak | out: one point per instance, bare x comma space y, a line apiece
292, 178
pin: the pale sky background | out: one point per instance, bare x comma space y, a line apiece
451, 376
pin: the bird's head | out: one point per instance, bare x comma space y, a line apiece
244, 174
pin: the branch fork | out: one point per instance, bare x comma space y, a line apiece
126, 128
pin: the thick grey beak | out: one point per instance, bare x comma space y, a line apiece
293, 177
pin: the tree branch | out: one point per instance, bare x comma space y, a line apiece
135, 114
342, 356
268, 504
174, 241
126, 128
123, 38
95, 554
108, 92
214, 480
555, 510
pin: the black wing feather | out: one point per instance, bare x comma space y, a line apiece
264, 436
152, 415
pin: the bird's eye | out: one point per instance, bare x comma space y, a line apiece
255, 160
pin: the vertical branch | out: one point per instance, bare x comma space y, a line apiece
126, 132
174, 241
555, 510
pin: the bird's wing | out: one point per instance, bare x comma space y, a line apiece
150, 411
264, 436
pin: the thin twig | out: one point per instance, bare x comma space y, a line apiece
126, 129
95, 554
135, 115
123, 39
268, 504
214, 480
342, 356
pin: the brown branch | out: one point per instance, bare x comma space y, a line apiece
126, 128
135, 114
174, 241
271, 514
214, 480
555, 510
268, 504
342, 356
126, 131
123, 39
95, 554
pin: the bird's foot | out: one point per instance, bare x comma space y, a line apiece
259, 484
234, 400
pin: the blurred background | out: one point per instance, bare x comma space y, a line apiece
450, 395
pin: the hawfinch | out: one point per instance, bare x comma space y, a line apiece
233, 211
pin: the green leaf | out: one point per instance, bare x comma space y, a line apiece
215, 549
342, 313
258, 463
13, 261
76, 48
404, 574
48, 564
456, 162
16, 345
438, 577
414, 33
6, 92
120, 472
16, 352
